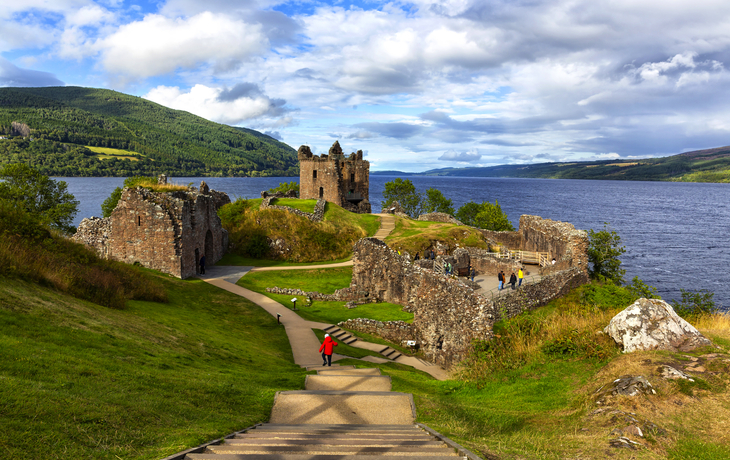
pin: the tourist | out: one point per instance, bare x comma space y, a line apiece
326, 350
513, 280
451, 269
202, 264
417, 256
472, 273
553, 260
500, 277
433, 255
520, 275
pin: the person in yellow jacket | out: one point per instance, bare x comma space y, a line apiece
520, 275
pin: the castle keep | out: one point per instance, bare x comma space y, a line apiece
168, 232
340, 179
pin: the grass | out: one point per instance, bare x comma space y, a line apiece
236, 260
302, 205
106, 153
251, 230
417, 236
84, 381
347, 350
326, 281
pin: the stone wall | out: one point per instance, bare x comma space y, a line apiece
448, 313
510, 240
315, 216
394, 331
343, 180
168, 232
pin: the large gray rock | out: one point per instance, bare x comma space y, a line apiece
652, 324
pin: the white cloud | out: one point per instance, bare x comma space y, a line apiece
158, 45
206, 102
468, 156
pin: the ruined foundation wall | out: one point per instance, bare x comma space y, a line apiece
560, 239
510, 240
448, 314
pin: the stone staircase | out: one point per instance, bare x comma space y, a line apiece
344, 414
347, 338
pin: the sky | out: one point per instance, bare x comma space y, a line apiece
416, 85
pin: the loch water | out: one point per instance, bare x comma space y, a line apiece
675, 234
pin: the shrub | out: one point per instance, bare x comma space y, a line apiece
604, 250
284, 187
695, 303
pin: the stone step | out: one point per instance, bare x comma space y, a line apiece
333, 435
316, 368
440, 456
351, 340
348, 382
327, 441
343, 407
331, 450
365, 371
349, 428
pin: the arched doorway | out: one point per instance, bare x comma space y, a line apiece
321, 192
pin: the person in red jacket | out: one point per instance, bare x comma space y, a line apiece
326, 350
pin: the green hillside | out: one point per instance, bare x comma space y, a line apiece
712, 165
66, 122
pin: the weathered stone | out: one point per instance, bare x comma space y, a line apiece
626, 385
634, 430
652, 324
670, 373
336, 178
315, 216
169, 231
623, 443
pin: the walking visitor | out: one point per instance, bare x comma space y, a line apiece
201, 262
513, 280
326, 349
520, 275
500, 277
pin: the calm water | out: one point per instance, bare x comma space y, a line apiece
675, 233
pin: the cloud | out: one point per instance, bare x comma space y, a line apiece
207, 102
393, 130
159, 45
11, 75
468, 156
275, 134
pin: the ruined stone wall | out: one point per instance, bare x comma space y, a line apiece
511, 240
448, 313
440, 217
394, 331
163, 231
561, 239
315, 216
335, 177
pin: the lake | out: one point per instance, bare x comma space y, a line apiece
676, 234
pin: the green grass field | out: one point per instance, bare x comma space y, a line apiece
105, 153
326, 281
78, 380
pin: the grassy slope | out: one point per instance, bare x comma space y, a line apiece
179, 142
326, 281
83, 381
415, 236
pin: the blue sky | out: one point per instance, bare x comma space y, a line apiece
416, 85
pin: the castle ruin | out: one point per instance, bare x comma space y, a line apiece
165, 231
334, 177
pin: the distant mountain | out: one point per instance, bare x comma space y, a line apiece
711, 165
73, 131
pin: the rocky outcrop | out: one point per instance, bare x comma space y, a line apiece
652, 324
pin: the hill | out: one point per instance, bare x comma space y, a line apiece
711, 165
73, 131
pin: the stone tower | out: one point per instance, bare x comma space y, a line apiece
340, 179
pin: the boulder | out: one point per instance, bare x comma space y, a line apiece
652, 324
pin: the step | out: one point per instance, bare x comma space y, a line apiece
343, 407
364, 371
349, 428
316, 368
440, 456
348, 382
332, 328
333, 435
326, 441
331, 450
351, 340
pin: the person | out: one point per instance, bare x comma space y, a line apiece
446, 268
500, 277
451, 268
417, 256
520, 275
201, 262
553, 260
433, 255
326, 350
472, 272
513, 280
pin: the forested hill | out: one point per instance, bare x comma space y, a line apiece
711, 165
73, 131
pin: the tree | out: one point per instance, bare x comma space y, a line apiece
485, 215
284, 187
404, 192
39, 195
604, 249
696, 303
435, 201
107, 207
